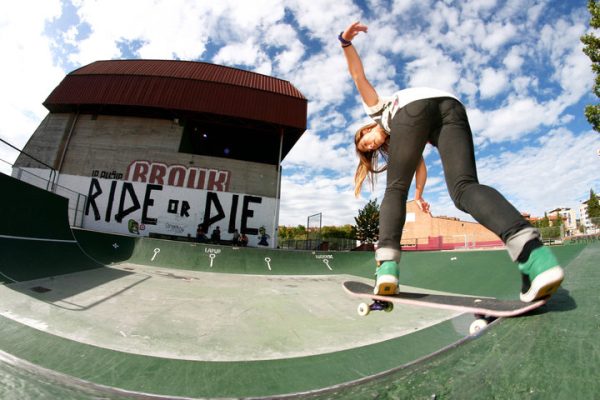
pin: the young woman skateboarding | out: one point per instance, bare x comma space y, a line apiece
402, 125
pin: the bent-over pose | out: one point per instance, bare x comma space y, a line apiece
402, 125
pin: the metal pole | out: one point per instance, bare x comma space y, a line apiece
277, 194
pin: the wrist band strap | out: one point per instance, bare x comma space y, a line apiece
344, 41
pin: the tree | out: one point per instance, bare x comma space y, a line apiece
292, 233
592, 50
559, 220
593, 209
367, 223
544, 222
344, 232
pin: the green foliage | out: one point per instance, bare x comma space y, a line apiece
327, 232
367, 223
592, 50
592, 113
558, 221
366, 229
593, 205
543, 223
292, 233
342, 232
552, 232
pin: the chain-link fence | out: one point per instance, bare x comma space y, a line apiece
325, 244
452, 242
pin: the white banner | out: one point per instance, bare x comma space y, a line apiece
138, 208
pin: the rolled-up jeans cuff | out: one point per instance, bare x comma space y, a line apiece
515, 243
384, 254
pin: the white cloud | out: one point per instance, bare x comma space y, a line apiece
497, 35
434, 70
247, 54
323, 80
315, 153
520, 117
493, 82
333, 197
324, 20
28, 72
478, 8
514, 59
556, 172
526, 66
283, 35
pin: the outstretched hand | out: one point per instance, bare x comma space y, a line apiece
423, 205
353, 29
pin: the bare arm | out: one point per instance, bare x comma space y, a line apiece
420, 180
355, 66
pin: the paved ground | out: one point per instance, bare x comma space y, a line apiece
146, 326
115, 332
551, 354
186, 331
204, 316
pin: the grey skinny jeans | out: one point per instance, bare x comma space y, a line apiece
442, 122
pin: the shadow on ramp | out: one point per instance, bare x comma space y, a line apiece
36, 243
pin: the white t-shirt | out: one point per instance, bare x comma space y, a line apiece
386, 107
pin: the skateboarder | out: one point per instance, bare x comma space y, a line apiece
401, 127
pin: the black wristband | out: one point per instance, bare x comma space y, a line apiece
344, 41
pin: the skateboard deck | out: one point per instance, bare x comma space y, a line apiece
480, 306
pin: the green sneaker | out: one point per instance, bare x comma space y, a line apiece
387, 278
541, 275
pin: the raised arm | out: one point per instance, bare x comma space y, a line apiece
420, 180
355, 66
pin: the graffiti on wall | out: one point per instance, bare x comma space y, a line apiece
115, 202
153, 197
107, 174
178, 175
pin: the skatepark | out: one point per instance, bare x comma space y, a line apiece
110, 312
95, 315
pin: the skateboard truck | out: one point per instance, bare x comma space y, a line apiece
377, 305
480, 323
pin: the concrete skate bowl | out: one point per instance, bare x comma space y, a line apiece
88, 315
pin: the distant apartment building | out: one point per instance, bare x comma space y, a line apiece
568, 216
586, 221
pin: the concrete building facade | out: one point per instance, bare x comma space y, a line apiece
569, 218
147, 170
589, 227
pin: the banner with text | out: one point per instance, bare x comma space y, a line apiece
141, 208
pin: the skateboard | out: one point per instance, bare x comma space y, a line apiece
485, 309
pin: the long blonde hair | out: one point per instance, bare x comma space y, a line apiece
368, 161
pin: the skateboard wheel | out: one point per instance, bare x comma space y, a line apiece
477, 326
388, 307
363, 309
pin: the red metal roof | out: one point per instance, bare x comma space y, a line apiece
192, 87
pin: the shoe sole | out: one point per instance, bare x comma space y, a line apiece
544, 285
386, 285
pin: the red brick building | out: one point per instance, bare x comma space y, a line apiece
427, 232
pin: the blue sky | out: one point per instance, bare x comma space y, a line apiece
516, 64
